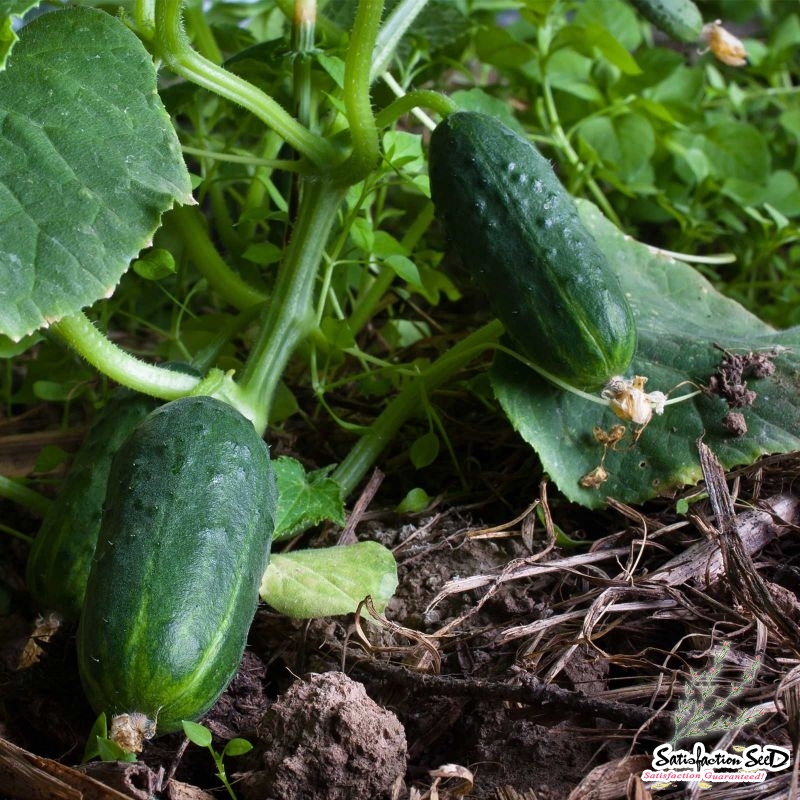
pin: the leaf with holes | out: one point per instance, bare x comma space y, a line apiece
680, 319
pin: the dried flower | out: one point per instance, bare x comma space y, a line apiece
724, 45
629, 401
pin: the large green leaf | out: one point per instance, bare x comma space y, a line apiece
88, 163
680, 318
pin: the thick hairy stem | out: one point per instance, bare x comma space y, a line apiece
289, 315
358, 108
79, 332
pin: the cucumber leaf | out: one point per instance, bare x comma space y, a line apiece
11, 10
306, 584
304, 499
680, 318
89, 161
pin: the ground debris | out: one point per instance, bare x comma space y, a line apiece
25, 776
563, 640
729, 382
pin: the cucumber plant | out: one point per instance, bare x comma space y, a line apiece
184, 541
301, 235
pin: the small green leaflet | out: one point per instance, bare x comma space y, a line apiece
89, 161
9, 11
680, 317
304, 499
306, 584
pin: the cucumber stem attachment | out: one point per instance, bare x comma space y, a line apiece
413, 102
600, 399
720, 258
81, 335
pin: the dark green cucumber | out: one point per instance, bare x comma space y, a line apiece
681, 20
61, 554
183, 545
518, 233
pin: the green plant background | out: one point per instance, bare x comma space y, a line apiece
674, 148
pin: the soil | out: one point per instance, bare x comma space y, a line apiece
510, 664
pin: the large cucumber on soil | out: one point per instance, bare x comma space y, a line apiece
518, 232
183, 544
61, 554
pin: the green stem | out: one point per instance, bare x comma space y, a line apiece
30, 499
358, 108
144, 12
233, 158
209, 263
407, 403
303, 32
392, 31
562, 140
78, 331
326, 29
376, 288
368, 302
176, 51
204, 359
261, 186
213, 193
422, 98
289, 315
201, 33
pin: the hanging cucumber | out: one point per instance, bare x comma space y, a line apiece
518, 233
61, 554
183, 545
681, 20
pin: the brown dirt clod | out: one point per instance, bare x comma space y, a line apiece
728, 381
325, 739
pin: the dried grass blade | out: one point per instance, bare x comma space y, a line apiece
777, 611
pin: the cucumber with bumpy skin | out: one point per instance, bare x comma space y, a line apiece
681, 20
518, 232
61, 553
183, 545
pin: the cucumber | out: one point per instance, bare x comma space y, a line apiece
519, 235
681, 20
61, 553
184, 542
